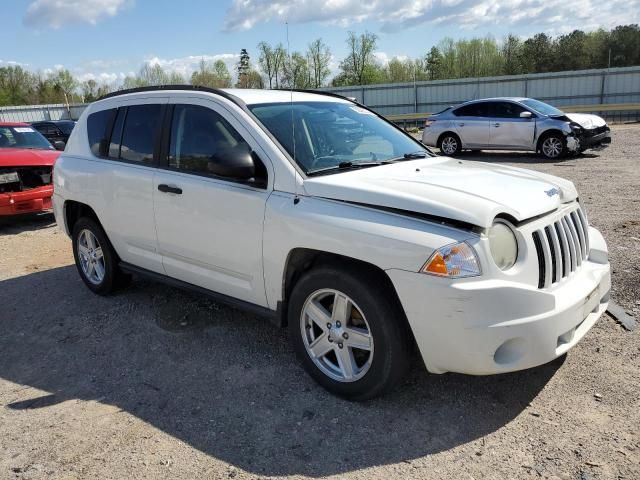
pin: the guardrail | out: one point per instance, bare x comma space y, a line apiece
611, 111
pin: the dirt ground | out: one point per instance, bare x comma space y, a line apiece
158, 383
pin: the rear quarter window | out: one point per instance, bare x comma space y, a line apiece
97, 124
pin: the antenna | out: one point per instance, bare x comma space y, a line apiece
296, 198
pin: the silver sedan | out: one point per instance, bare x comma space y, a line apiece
514, 124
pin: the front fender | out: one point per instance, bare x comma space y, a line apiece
386, 240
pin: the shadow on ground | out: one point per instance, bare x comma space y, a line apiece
227, 383
25, 223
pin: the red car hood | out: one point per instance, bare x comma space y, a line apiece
23, 157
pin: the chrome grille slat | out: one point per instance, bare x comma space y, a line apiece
585, 229
556, 249
572, 246
578, 226
561, 246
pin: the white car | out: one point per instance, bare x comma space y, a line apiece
513, 123
319, 214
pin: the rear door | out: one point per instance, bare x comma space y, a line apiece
209, 228
124, 177
507, 129
472, 125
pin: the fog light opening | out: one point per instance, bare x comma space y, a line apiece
510, 351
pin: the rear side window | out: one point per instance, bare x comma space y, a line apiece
141, 127
97, 125
472, 110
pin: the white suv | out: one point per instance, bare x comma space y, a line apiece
319, 214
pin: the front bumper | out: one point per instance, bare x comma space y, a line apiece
29, 201
589, 141
483, 326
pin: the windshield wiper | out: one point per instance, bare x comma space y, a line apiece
345, 166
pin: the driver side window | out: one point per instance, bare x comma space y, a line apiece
198, 136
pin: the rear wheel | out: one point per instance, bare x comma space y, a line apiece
450, 144
553, 146
96, 261
348, 333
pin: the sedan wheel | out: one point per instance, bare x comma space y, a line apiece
336, 335
552, 147
450, 145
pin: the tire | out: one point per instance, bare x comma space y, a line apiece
450, 144
97, 266
553, 146
378, 362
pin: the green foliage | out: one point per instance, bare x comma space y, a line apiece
214, 75
475, 57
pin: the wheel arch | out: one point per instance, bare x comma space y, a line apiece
301, 260
543, 135
74, 211
447, 132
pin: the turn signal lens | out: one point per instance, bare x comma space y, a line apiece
453, 261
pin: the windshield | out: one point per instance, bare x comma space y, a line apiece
66, 126
541, 107
331, 134
23, 137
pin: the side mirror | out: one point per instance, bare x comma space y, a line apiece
526, 115
59, 145
235, 163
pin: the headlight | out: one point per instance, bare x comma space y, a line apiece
504, 245
453, 261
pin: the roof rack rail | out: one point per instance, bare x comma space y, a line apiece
156, 88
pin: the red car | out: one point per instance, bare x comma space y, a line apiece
26, 164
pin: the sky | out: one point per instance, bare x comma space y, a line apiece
108, 39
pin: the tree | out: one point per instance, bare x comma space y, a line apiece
434, 63
400, 70
89, 90
212, 76
359, 67
65, 83
296, 72
243, 67
266, 60
318, 59
511, 53
537, 53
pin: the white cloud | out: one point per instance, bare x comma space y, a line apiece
393, 15
185, 66
58, 13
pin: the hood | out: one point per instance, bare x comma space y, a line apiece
587, 120
470, 192
23, 157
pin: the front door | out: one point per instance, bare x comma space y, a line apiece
507, 129
209, 228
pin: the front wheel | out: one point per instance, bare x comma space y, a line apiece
348, 333
553, 146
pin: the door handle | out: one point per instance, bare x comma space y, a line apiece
461, 124
169, 189
496, 124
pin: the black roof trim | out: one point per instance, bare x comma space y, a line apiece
157, 88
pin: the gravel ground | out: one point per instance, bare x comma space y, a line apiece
158, 383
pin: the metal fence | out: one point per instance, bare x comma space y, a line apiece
564, 89
36, 113
598, 91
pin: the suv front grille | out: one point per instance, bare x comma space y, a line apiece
561, 246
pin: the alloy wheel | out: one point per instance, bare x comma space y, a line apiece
336, 335
91, 257
552, 147
449, 145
